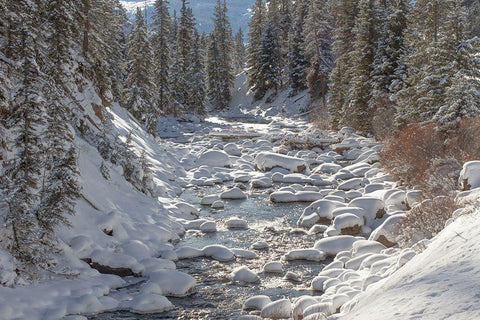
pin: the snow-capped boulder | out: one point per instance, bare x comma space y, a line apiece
214, 158
218, 252
208, 226
328, 168
387, 232
243, 274
366, 246
233, 194
273, 267
374, 208
333, 245
243, 253
208, 200
300, 305
348, 223
283, 196
149, 303
173, 283
280, 309
260, 245
319, 212
219, 204
352, 184
266, 161
263, 182
188, 252
236, 223
232, 149
470, 175
304, 254
256, 302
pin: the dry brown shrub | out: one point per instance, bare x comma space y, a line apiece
426, 219
408, 155
320, 117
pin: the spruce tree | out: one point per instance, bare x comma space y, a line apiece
356, 112
196, 78
239, 52
256, 29
140, 88
160, 45
219, 59
318, 48
297, 62
344, 13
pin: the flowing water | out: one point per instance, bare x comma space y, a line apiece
216, 297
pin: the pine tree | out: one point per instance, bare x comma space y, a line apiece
239, 52
298, 63
26, 122
140, 88
431, 50
196, 78
357, 113
268, 72
462, 96
318, 39
219, 69
344, 13
256, 28
160, 44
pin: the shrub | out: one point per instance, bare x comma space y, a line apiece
408, 155
426, 219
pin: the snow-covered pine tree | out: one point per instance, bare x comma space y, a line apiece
161, 28
59, 189
356, 112
268, 73
432, 47
196, 77
462, 97
256, 28
297, 62
318, 48
473, 19
25, 122
140, 87
388, 70
219, 67
344, 13
239, 52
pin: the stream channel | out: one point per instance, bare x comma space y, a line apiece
215, 296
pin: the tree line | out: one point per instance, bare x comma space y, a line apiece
370, 64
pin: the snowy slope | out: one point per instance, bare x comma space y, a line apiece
440, 283
238, 11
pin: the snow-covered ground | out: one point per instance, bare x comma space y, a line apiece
347, 219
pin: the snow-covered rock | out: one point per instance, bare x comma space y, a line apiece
260, 245
218, 252
236, 223
173, 283
280, 309
209, 200
318, 212
387, 232
243, 253
244, 274
150, 303
188, 252
266, 161
273, 267
470, 175
348, 223
219, 204
256, 302
208, 226
304, 254
233, 194
333, 245
214, 158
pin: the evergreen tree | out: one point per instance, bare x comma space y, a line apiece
196, 78
298, 63
239, 52
256, 29
357, 113
318, 39
219, 69
344, 13
140, 87
268, 72
429, 61
160, 44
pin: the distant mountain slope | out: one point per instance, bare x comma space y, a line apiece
238, 11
